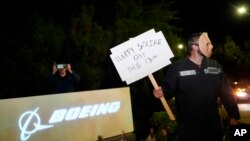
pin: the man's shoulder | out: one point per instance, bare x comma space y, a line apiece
212, 62
179, 64
181, 61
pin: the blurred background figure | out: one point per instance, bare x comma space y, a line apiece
63, 79
151, 136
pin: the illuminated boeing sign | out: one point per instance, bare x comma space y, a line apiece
70, 116
31, 119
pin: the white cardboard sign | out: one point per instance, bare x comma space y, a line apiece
142, 55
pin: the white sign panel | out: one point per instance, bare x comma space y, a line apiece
141, 56
77, 116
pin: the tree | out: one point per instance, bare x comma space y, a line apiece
232, 51
89, 47
30, 61
233, 57
244, 60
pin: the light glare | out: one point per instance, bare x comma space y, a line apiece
180, 46
242, 10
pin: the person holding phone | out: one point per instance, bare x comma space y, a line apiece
63, 79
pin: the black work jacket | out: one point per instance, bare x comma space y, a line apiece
196, 90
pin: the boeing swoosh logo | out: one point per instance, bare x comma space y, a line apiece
29, 123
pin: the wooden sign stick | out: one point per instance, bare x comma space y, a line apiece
163, 100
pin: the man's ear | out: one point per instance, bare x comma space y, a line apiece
195, 47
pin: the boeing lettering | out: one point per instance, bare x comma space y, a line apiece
85, 111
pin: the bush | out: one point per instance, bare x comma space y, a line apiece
165, 129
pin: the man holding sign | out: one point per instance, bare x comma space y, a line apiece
197, 83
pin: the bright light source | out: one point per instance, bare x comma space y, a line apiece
180, 46
241, 92
242, 10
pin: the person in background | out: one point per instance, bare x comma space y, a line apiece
63, 79
197, 83
151, 135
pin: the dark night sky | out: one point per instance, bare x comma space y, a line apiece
218, 18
